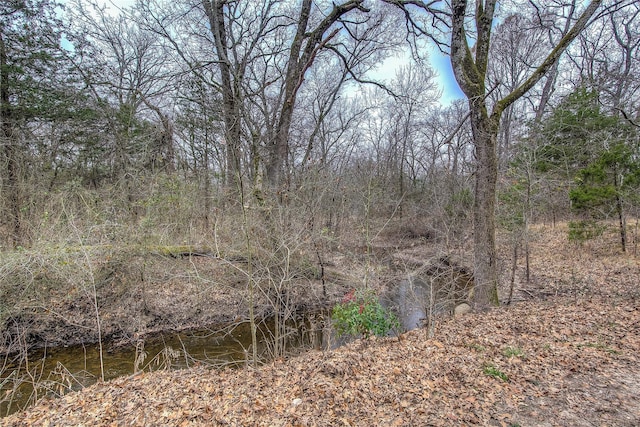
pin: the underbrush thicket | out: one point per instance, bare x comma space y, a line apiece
82, 242
163, 250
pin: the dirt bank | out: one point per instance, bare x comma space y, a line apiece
54, 296
561, 362
139, 295
564, 354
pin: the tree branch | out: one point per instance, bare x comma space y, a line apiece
627, 118
438, 17
467, 74
550, 60
351, 73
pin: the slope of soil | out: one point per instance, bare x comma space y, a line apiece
53, 297
566, 354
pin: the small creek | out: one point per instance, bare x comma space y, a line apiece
59, 370
72, 368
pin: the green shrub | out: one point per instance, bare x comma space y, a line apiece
581, 231
494, 372
361, 314
513, 352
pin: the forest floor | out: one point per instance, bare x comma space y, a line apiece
566, 353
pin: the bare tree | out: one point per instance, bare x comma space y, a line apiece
519, 44
416, 95
607, 59
469, 49
304, 48
256, 55
124, 69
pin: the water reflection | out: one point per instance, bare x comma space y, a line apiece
410, 300
72, 368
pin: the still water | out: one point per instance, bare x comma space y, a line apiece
61, 370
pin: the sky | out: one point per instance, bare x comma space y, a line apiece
440, 63
446, 81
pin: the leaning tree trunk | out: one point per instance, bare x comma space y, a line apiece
303, 50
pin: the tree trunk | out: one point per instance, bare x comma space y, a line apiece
514, 267
470, 70
484, 206
620, 212
295, 69
302, 53
470, 73
547, 91
230, 86
623, 225
279, 149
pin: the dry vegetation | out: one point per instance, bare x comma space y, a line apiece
564, 354
163, 271
167, 271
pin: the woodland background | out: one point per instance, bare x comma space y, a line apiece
176, 164
261, 131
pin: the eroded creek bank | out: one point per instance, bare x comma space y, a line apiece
159, 311
134, 296
56, 300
